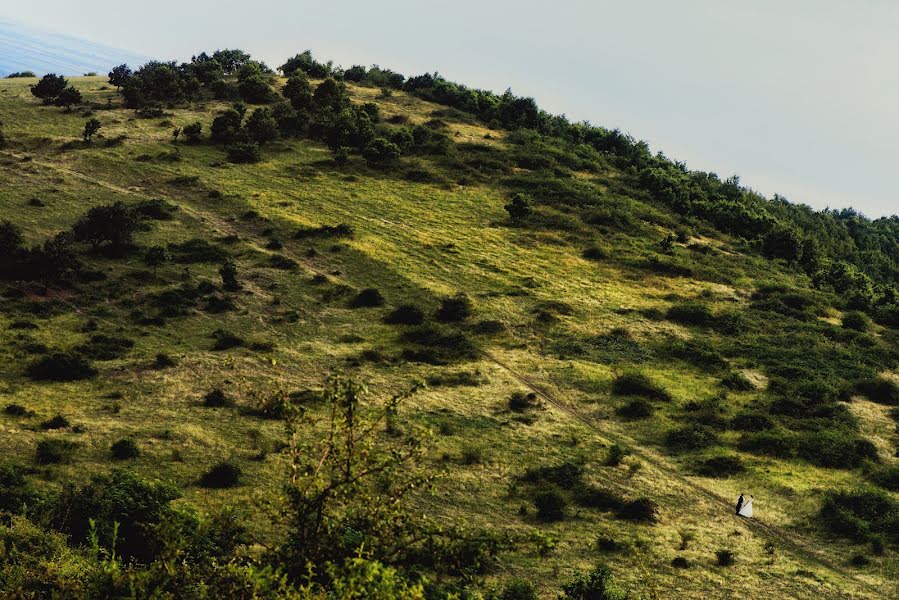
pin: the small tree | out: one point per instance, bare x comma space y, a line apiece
226, 126
193, 132
598, 585
67, 98
176, 133
381, 152
261, 126
49, 87
155, 256
228, 271
90, 129
112, 223
119, 75
299, 91
519, 207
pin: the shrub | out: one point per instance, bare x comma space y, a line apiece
105, 347
590, 496
638, 408
721, 466
341, 230
725, 557
53, 451
638, 384
285, 263
597, 585
17, 410
223, 475
607, 544
857, 321
680, 562
405, 314
778, 443
857, 514
860, 560
751, 421
519, 207
244, 153
225, 340
216, 399
522, 401
566, 475
518, 590
124, 449
886, 477
125, 510
454, 309
381, 152
367, 298
193, 132
163, 361
737, 381
61, 366
616, 455
692, 313
880, 390
472, 455
836, 449
57, 422
550, 504
16, 494
595, 253
690, 437
641, 510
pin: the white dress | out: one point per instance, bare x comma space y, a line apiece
746, 510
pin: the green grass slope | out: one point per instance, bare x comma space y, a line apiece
720, 332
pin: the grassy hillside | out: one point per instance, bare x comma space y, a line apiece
718, 371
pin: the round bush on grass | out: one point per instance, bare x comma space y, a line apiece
124, 449
223, 475
54, 451
367, 298
857, 321
518, 590
737, 381
57, 422
405, 314
725, 557
691, 437
453, 310
638, 384
61, 366
638, 408
721, 466
641, 510
216, 399
550, 505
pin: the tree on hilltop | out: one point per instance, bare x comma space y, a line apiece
119, 75
49, 87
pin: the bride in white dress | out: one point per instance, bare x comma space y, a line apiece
746, 509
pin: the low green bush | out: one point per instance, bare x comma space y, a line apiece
454, 309
550, 504
124, 449
222, 475
405, 314
54, 450
737, 382
637, 408
721, 466
886, 477
367, 298
880, 390
725, 558
57, 422
691, 437
522, 401
61, 366
641, 510
638, 384
691, 313
217, 399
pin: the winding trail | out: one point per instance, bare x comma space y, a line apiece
773, 533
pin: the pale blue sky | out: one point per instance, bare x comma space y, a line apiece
797, 97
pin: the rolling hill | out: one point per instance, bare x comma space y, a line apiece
599, 349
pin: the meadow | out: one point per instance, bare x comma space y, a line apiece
617, 374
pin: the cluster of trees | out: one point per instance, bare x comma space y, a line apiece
110, 227
225, 75
55, 89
